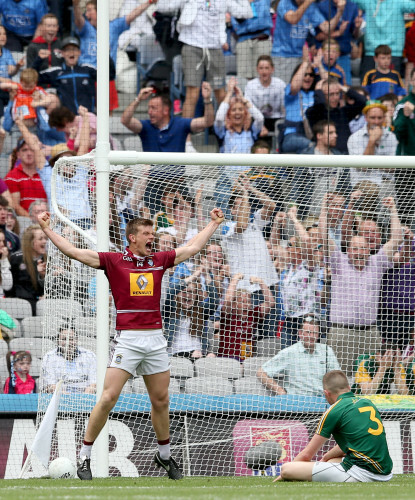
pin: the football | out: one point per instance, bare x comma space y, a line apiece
62, 468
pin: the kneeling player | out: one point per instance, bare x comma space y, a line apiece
361, 453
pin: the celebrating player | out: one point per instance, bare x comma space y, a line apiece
361, 453
140, 346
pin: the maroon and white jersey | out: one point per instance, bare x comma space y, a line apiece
136, 286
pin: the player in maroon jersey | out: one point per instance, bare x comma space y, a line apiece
140, 346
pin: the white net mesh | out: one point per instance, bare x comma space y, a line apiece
244, 368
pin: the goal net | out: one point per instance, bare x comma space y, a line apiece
298, 280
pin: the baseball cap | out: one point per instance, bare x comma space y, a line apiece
70, 40
374, 104
20, 143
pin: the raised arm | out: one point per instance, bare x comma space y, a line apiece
268, 303
199, 124
77, 14
268, 204
242, 217
127, 118
129, 18
298, 226
328, 244
230, 292
392, 246
297, 79
329, 26
87, 257
293, 16
32, 141
85, 131
349, 216
196, 244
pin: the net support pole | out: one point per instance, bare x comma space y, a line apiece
102, 186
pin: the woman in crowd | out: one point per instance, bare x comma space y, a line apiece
299, 96
6, 278
28, 266
238, 122
186, 311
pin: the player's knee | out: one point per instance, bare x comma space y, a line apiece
285, 471
160, 401
108, 399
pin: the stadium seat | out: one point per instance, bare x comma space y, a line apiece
251, 365
36, 367
33, 345
181, 368
133, 144
214, 386
63, 308
268, 347
250, 385
4, 373
221, 367
32, 326
24, 223
117, 128
3, 366
18, 308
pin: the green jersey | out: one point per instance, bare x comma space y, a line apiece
357, 427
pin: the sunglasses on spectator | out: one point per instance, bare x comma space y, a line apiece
308, 74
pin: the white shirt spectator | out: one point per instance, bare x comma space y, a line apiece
269, 100
358, 141
201, 23
77, 374
247, 252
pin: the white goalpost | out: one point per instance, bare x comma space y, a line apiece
215, 421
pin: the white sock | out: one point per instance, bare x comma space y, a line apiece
85, 451
164, 450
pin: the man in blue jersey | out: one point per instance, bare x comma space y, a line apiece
295, 19
75, 83
20, 18
86, 29
361, 454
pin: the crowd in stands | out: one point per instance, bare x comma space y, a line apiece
318, 259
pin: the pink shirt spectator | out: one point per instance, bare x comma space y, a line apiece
355, 294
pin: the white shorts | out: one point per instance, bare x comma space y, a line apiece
140, 352
331, 472
334, 472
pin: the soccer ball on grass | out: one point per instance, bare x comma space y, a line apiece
62, 468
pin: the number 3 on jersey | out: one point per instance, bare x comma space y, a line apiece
373, 418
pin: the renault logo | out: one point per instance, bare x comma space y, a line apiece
142, 282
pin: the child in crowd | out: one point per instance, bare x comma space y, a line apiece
383, 80
326, 61
240, 318
266, 92
25, 92
19, 380
390, 101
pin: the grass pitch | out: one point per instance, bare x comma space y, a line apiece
203, 488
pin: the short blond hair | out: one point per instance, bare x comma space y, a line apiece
29, 76
335, 381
